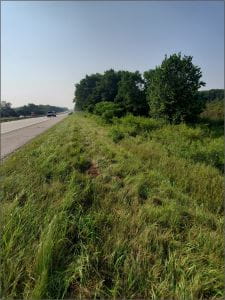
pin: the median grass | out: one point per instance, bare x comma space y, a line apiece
133, 209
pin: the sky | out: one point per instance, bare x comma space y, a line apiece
49, 46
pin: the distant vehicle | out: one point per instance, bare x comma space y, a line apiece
51, 114
21, 116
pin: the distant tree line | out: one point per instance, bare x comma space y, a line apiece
27, 110
212, 95
169, 91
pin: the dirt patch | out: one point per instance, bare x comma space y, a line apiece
93, 170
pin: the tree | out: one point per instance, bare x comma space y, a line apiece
7, 110
211, 95
85, 93
131, 94
26, 110
107, 87
96, 88
172, 89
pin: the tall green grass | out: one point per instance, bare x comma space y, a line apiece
202, 143
88, 215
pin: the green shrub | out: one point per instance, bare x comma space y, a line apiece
116, 135
142, 124
214, 110
108, 110
90, 108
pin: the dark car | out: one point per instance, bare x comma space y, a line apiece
51, 114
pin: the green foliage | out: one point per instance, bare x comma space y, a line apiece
7, 110
85, 92
131, 94
172, 89
107, 87
108, 110
116, 134
123, 87
26, 110
142, 124
211, 95
214, 111
198, 143
169, 91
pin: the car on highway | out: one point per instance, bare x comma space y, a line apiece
51, 114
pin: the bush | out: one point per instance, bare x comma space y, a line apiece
116, 135
214, 111
141, 124
108, 110
90, 108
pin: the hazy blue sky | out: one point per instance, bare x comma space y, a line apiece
49, 46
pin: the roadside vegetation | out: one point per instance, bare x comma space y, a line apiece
214, 111
124, 199
170, 91
131, 208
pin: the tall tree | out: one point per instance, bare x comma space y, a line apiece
107, 87
172, 89
131, 94
7, 110
85, 92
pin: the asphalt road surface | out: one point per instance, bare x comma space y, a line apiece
15, 134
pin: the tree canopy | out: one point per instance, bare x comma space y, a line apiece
172, 89
122, 87
7, 110
169, 91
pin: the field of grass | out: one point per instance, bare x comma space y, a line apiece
130, 209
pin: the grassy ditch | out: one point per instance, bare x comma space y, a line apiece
87, 213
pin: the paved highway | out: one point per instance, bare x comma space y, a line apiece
14, 134
13, 125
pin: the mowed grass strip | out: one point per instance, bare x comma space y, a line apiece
87, 215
